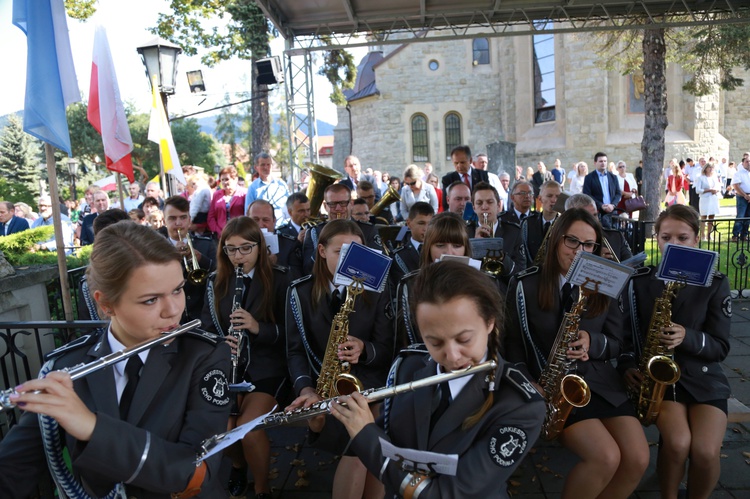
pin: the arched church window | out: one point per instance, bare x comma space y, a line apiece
544, 74
419, 138
452, 132
481, 50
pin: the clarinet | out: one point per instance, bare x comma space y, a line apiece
239, 288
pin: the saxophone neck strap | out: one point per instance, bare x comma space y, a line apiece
194, 486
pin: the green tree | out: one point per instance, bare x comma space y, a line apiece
194, 147
227, 130
19, 163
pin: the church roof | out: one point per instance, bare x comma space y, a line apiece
365, 85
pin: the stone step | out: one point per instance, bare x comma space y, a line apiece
738, 412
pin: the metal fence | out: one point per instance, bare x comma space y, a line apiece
734, 255
54, 293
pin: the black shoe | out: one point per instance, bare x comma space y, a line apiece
237, 485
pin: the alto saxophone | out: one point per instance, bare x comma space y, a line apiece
335, 378
563, 389
657, 364
239, 288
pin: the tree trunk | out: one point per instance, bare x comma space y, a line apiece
261, 121
652, 145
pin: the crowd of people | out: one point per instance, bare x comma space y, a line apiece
256, 267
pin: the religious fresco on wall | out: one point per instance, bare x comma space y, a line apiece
636, 88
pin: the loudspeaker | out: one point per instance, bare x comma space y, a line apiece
270, 71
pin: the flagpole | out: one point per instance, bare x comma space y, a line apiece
62, 264
119, 190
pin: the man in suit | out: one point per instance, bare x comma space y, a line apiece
534, 229
290, 248
522, 197
85, 230
9, 222
620, 249
354, 175
298, 207
464, 172
604, 188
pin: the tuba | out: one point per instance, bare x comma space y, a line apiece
563, 389
335, 378
657, 364
320, 178
390, 196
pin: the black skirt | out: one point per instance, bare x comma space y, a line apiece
599, 408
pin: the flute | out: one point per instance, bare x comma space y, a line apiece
81, 370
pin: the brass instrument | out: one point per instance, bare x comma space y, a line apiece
390, 196
542, 248
239, 288
492, 263
195, 274
563, 389
82, 370
334, 378
611, 251
320, 178
657, 364
324, 406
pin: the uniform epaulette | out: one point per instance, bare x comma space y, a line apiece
400, 248
211, 338
302, 279
202, 237
363, 223
528, 271
509, 222
286, 236
281, 268
642, 271
718, 275
515, 378
89, 339
419, 348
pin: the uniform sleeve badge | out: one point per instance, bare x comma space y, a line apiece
507, 445
726, 306
214, 388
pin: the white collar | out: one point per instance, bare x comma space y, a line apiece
116, 346
458, 384
416, 244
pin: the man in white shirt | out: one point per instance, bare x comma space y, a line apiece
45, 218
273, 190
741, 184
135, 199
481, 161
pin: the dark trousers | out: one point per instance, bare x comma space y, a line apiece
743, 211
694, 199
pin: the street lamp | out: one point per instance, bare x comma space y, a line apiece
160, 59
73, 170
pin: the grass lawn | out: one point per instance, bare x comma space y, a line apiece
727, 202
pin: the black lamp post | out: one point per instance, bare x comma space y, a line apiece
73, 170
160, 60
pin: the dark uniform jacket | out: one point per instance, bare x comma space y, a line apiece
530, 334
264, 354
619, 245
290, 255
476, 177
405, 259
288, 229
488, 452
310, 246
513, 246
181, 399
705, 313
308, 328
511, 217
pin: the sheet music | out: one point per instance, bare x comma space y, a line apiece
412, 459
599, 274
224, 440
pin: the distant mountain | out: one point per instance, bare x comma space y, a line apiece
208, 125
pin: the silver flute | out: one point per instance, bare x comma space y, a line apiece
372, 395
81, 370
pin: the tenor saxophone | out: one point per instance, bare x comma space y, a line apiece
564, 390
657, 364
335, 378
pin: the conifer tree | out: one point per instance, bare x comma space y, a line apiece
19, 163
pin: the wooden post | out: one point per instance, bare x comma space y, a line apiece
62, 264
120, 192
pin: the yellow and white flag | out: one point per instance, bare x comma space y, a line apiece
159, 132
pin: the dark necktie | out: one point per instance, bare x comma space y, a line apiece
335, 301
566, 297
545, 228
466, 180
443, 392
133, 370
419, 249
523, 217
247, 281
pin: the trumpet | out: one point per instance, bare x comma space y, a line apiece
324, 406
81, 370
195, 273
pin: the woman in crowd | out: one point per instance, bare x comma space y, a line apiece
24, 211
395, 206
576, 179
676, 183
433, 180
446, 235
459, 312
628, 186
604, 434
227, 202
259, 321
312, 304
200, 196
708, 186
415, 189
693, 416
137, 435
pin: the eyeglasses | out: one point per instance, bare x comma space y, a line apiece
245, 249
45, 206
573, 242
410, 184
524, 194
340, 204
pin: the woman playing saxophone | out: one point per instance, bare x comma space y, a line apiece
604, 434
312, 304
252, 307
692, 418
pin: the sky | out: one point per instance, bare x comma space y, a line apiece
126, 23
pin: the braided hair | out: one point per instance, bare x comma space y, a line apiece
444, 281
